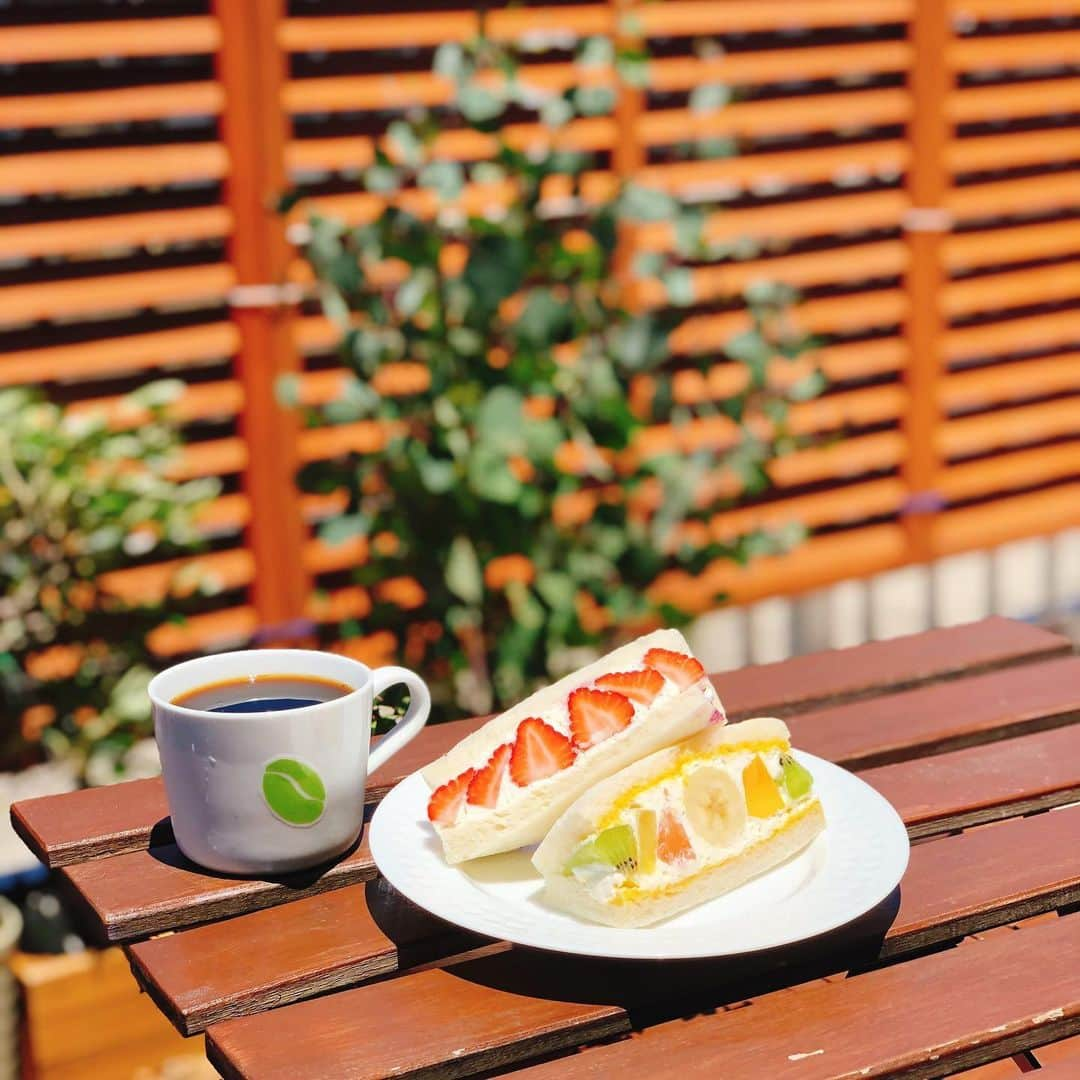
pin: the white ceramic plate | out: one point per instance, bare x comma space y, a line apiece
846, 871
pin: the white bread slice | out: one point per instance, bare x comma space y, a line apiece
568, 894
581, 819
526, 818
476, 748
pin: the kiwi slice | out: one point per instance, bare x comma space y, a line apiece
797, 778
613, 847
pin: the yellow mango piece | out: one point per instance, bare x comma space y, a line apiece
646, 839
763, 798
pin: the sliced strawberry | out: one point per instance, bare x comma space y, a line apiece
596, 715
484, 788
641, 687
672, 843
446, 802
539, 750
681, 669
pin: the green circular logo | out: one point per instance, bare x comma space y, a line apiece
294, 791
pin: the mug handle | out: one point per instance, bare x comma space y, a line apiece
406, 729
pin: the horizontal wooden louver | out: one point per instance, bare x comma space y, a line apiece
128, 179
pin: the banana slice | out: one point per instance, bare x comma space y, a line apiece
715, 805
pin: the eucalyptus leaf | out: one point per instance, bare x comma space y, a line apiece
717, 147
594, 100
709, 97
809, 386
556, 589
646, 204
490, 477
450, 61
414, 291
158, 394
462, 572
639, 343
679, 283
633, 67
649, 264
287, 390
526, 609
478, 104
545, 320
406, 142
445, 178
556, 111
500, 421
342, 529
438, 474
689, 227
596, 51
382, 179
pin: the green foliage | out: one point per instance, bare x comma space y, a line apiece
79, 497
491, 338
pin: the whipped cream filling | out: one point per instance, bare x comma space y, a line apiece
606, 884
558, 717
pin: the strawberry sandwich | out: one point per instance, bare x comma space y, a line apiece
681, 826
504, 785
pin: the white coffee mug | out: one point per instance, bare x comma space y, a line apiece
271, 792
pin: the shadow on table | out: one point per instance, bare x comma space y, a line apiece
166, 851
655, 990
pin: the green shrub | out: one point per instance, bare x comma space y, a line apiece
514, 514
79, 497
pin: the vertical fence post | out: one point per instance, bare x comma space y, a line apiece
251, 68
628, 151
925, 225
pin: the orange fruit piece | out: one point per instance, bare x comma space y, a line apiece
763, 798
672, 843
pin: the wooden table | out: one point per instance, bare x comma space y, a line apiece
970, 732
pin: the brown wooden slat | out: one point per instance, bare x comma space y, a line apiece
1007, 472
403, 90
94, 822
1061, 1055
116, 292
483, 1028
974, 528
109, 106
145, 892
1061, 1070
1012, 149
270, 958
843, 675
1025, 195
927, 1017
51, 42
120, 818
983, 783
674, 19
116, 230
127, 166
284, 954
119, 356
1056, 329
944, 717
866, 108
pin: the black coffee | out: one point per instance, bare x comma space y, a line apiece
262, 693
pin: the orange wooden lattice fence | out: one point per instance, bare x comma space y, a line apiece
910, 165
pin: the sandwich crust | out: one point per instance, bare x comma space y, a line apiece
603, 803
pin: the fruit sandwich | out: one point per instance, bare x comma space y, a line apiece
502, 786
681, 826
